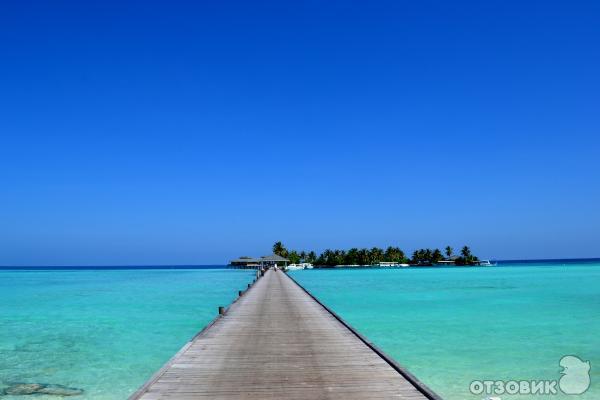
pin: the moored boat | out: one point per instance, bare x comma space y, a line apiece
295, 267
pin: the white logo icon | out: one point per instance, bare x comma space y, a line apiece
575, 377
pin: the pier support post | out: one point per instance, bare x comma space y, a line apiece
240, 293
249, 285
221, 310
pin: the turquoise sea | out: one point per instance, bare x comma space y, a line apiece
103, 331
451, 326
107, 331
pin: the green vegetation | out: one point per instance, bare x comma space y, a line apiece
375, 255
466, 257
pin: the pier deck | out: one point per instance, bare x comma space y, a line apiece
278, 342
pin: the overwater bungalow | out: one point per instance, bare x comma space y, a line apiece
245, 262
261, 262
388, 264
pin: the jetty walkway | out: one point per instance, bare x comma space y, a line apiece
278, 342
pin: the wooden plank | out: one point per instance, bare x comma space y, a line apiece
279, 342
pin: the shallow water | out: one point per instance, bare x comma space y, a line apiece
104, 331
107, 331
450, 326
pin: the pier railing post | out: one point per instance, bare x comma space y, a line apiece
221, 310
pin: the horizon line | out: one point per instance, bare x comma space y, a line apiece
173, 266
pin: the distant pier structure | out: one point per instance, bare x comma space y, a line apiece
278, 342
246, 262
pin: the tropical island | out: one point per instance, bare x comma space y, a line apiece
375, 256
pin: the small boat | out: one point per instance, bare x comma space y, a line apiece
295, 267
486, 263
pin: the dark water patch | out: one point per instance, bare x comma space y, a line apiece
27, 389
48, 343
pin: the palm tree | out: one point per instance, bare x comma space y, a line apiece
280, 250
424, 256
394, 254
320, 260
339, 257
294, 257
436, 256
467, 258
363, 257
376, 255
449, 251
351, 256
466, 252
417, 256
428, 255
328, 258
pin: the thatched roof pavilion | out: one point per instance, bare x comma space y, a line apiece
249, 262
275, 258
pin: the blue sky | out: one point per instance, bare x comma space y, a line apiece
170, 132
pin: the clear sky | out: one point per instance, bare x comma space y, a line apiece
193, 132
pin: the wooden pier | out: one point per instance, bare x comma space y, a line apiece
278, 342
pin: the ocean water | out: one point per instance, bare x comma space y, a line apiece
451, 326
103, 331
